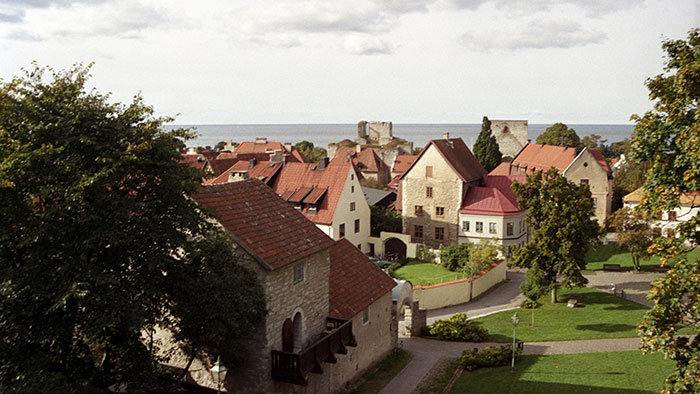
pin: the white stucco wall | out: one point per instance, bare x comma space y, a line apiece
352, 192
518, 238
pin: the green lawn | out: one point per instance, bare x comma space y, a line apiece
602, 373
610, 254
422, 273
375, 380
599, 315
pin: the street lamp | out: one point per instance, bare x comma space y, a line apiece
218, 373
515, 319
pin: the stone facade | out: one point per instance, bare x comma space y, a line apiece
511, 135
585, 169
423, 209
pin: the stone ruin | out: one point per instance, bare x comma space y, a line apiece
511, 135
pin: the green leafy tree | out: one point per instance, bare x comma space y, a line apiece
311, 152
481, 257
668, 138
384, 219
559, 213
633, 233
486, 148
455, 257
559, 134
97, 230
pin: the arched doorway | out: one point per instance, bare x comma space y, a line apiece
288, 336
297, 332
394, 249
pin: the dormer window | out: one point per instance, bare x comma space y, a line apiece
313, 208
297, 207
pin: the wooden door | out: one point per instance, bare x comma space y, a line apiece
288, 336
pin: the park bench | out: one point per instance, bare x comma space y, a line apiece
612, 267
658, 268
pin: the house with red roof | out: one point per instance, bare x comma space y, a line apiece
330, 314
366, 163
578, 165
261, 148
490, 212
688, 207
433, 188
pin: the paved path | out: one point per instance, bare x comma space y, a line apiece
427, 352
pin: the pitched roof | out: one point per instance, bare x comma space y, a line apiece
402, 163
219, 165
366, 160
294, 176
501, 169
601, 160
197, 161
244, 149
355, 281
374, 196
458, 156
263, 171
494, 196
262, 223
543, 157
689, 199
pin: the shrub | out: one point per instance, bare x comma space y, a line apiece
425, 254
458, 328
454, 257
492, 356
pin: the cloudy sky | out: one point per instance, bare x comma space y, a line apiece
321, 61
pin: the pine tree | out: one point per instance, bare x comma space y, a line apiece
486, 148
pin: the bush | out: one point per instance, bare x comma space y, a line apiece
492, 356
425, 254
458, 328
454, 257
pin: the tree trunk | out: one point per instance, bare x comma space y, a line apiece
554, 294
186, 369
635, 262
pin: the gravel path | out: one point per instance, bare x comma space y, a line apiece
506, 296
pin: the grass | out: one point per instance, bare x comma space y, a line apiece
599, 315
610, 254
422, 273
628, 372
438, 378
375, 380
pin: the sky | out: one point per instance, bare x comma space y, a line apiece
321, 61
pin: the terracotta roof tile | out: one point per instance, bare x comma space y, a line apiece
543, 157
501, 169
355, 281
263, 171
263, 223
197, 161
402, 163
601, 160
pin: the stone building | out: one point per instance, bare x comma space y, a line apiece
578, 165
329, 307
433, 188
511, 135
366, 163
379, 137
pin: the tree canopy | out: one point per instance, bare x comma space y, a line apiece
634, 233
668, 138
311, 152
559, 134
559, 212
486, 148
100, 241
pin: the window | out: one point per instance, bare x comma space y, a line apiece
341, 230
313, 208
418, 231
439, 233
509, 228
479, 227
440, 211
492, 228
352, 206
514, 170
352, 189
365, 315
584, 181
418, 210
523, 170
671, 215
429, 192
352, 177
428, 171
299, 273
465, 226
357, 225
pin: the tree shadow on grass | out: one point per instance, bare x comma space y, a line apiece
610, 301
606, 327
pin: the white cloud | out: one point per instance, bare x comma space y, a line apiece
590, 8
537, 34
366, 45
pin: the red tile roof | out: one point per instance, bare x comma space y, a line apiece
294, 176
688, 199
543, 157
366, 160
458, 156
493, 197
244, 150
601, 160
262, 223
263, 171
355, 281
197, 161
501, 169
219, 165
402, 163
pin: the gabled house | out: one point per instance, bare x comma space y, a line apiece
490, 211
688, 207
432, 190
246, 169
401, 164
578, 165
329, 307
328, 194
263, 150
366, 163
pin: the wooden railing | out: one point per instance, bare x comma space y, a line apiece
294, 367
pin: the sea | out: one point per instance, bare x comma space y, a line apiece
419, 134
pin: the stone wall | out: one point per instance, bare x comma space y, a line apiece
448, 191
511, 135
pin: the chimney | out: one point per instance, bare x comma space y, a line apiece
261, 140
277, 156
322, 163
253, 162
446, 135
236, 176
288, 146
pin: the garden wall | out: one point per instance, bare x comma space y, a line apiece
459, 291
